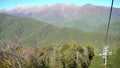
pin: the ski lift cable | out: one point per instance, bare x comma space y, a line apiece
106, 38
108, 26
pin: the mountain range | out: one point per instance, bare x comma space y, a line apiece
51, 24
86, 17
32, 32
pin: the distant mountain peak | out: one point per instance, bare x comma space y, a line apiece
88, 5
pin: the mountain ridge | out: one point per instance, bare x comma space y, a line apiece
86, 17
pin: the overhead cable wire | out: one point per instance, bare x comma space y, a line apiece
108, 26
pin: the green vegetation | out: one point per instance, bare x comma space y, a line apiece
49, 49
36, 33
70, 55
33, 32
97, 62
114, 60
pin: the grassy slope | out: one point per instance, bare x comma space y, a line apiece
97, 62
113, 60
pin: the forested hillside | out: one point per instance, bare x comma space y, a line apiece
33, 32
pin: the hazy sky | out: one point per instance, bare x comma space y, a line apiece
9, 4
